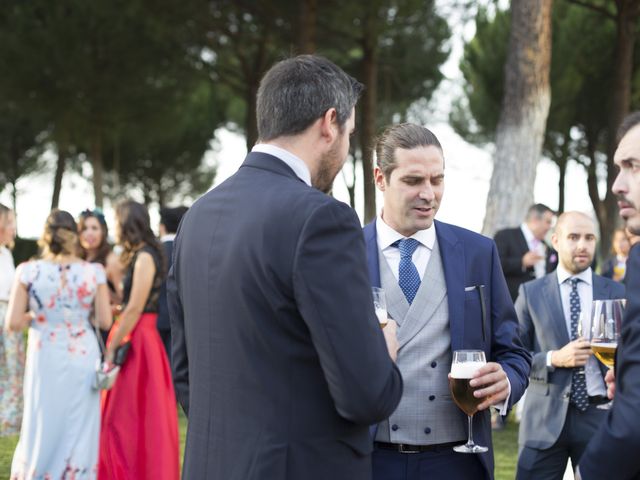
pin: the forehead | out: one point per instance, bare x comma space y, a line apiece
577, 224
629, 146
426, 160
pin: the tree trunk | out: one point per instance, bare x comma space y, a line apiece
523, 117
561, 184
368, 106
307, 37
251, 123
98, 168
61, 163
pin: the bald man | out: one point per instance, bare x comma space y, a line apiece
566, 382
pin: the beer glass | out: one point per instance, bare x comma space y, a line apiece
380, 305
465, 364
603, 336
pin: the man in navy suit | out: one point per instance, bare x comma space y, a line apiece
278, 357
446, 291
567, 382
613, 450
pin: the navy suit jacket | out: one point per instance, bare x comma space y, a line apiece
543, 328
471, 260
278, 357
163, 321
613, 450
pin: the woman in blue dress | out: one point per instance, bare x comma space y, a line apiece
61, 420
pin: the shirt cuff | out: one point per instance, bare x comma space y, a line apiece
550, 366
503, 409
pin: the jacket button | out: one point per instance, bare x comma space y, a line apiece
427, 430
394, 427
432, 397
434, 364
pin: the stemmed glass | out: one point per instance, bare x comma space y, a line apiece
465, 364
380, 305
604, 333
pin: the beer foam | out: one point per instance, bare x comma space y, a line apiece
465, 370
613, 345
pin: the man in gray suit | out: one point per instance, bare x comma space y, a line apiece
566, 384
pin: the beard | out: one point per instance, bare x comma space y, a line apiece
329, 166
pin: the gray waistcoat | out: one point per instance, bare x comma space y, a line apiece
426, 414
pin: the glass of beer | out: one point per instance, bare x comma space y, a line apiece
606, 323
465, 364
380, 305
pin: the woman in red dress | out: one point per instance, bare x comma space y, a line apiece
139, 431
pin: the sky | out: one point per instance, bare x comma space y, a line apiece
467, 173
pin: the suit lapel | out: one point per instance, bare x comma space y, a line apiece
552, 302
453, 263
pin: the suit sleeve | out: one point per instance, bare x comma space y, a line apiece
510, 260
179, 358
333, 294
506, 347
613, 450
527, 332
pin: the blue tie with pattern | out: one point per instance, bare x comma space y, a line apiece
579, 396
408, 277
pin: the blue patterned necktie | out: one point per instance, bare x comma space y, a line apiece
408, 277
579, 396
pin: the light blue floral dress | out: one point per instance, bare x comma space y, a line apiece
61, 421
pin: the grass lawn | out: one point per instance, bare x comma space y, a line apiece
505, 445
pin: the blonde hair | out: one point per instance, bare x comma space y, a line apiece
60, 236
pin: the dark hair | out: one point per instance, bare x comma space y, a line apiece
297, 91
104, 248
627, 124
135, 231
406, 136
170, 217
60, 234
537, 210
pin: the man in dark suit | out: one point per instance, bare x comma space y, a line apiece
613, 450
567, 382
169, 221
445, 289
524, 255
278, 357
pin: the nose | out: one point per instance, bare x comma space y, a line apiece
426, 193
618, 187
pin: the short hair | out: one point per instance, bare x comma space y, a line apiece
537, 210
297, 91
170, 217
60, 234
405, 136
630, 121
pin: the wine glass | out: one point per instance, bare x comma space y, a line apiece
380, 305
606, 323
465, 364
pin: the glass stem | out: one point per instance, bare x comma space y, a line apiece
470, 438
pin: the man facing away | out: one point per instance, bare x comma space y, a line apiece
169, 221
446, 291
613, 450
524, 255
566, 382
278, 357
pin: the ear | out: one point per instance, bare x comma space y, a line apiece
378, 178
554, 241
329, 125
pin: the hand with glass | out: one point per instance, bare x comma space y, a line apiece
390, 337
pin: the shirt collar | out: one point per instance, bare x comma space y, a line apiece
586, 276
387, 235
169, 237
295, 163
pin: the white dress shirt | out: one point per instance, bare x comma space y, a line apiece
595, 384
538, 246
295, 163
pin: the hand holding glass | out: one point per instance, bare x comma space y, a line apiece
380, 305
465, 364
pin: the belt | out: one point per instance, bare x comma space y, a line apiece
404, 448
598, 400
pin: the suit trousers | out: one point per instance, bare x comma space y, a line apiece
440, 464
550, 463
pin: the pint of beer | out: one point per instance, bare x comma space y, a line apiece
462, 392
605, 352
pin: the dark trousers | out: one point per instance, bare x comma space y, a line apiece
550, 463
165, 336
442, 464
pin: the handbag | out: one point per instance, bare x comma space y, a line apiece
105, 375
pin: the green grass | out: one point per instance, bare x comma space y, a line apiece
505, 445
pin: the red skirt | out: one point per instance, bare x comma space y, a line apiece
139, 420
